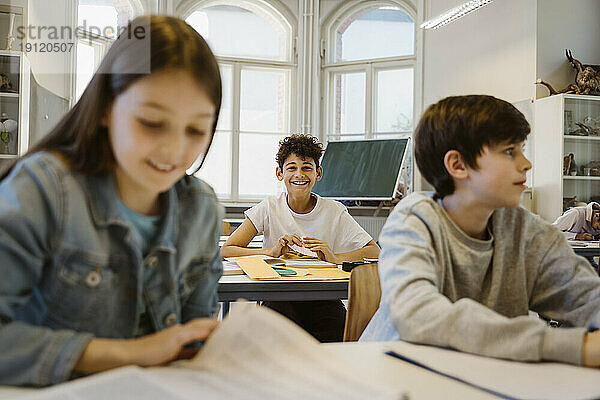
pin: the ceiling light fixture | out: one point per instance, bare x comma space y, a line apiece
454, 13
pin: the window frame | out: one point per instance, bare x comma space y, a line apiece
100, 43
237, 64
369, 66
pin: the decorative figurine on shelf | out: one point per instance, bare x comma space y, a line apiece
591, 169
587, 79
585, 130
569, 165
7, 128
5, 84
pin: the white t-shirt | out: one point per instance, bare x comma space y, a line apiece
328, 221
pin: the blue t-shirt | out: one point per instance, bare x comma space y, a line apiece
144, 227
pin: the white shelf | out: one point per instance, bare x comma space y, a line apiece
16, 105
9, 95
582, 178
576, 137
580, 97
10, 53
553, 116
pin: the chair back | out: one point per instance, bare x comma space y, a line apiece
364, 293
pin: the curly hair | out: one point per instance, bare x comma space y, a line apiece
304, 146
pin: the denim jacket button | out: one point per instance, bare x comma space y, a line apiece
170, 319
93, 279
152, 261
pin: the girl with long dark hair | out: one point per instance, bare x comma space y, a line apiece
109, 250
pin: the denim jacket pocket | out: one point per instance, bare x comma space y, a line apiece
83, 291
198, 270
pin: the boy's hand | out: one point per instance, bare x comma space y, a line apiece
281, 245
584, 236
591, 350
321, 248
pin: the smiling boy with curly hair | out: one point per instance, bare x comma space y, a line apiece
303, 218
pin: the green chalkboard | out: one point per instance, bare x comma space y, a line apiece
362, 169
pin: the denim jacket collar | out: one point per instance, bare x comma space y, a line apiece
103, 198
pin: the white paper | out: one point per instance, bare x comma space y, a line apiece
254, 354
308, 262
547, 381
232, 259
262, 350
584, 243
231, 268
302, 250
122, 383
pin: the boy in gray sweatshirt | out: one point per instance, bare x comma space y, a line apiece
461, 268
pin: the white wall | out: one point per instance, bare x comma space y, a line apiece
491, 51
573, 25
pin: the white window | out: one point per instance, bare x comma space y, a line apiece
253, 43
368, 71
98, 24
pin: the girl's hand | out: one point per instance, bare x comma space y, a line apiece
281, 245
321, 248
155, 349
166, 345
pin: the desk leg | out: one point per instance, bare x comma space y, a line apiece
594, 264
225, 309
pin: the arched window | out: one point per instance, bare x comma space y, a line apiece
98, 24
368, 71
253, 42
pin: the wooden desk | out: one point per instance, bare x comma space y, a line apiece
233, 287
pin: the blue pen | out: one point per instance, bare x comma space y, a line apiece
418, 364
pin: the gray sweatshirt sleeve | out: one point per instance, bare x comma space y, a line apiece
567, 288
30, 355
422, 314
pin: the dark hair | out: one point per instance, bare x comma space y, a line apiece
304, 146
465, 124
148, 44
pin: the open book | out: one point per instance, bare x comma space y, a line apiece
254, 354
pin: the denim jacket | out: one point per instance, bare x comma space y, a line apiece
71, 271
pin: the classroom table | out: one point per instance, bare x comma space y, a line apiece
233, 287
418, 383
591, 251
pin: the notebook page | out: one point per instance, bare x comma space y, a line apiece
273, 358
